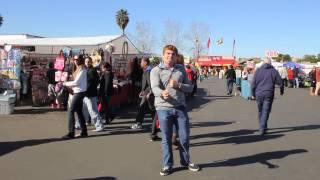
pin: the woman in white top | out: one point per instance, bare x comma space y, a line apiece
245, 73
79, 88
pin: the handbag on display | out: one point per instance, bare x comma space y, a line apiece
60, 76
59, 63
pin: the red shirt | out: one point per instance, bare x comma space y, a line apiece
290, 74
190, 74
318, 75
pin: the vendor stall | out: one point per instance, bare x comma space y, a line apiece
116, 50
10, 68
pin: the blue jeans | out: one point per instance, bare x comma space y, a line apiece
264, 108
92, 107
179, 118
76, 106
230, 85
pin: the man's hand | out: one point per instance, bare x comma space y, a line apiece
142, 93
253, 98
173, 84
165, 94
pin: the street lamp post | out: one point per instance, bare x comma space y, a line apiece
197, 46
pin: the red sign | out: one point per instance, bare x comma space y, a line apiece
216, 61
271, 53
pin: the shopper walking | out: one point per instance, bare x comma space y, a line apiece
231, 79
263, 85
91, 98
79, 88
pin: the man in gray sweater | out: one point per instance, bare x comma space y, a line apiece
169, 83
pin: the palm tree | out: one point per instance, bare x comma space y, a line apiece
122, 19
1, 20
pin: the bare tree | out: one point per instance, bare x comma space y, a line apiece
197, 37
144, 37
173, 34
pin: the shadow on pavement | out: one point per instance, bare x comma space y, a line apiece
224, 134
201, 99
245, 136
261, 158
33, 110
98, 178
290, 129
8, 147
209, 123
238, 140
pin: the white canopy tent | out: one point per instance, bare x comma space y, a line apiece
54, 45
275, 64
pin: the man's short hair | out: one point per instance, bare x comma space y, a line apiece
267, 60
170, 47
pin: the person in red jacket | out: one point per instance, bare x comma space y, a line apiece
190, 73
316, 92
291, 77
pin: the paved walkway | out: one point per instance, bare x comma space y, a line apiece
223, 142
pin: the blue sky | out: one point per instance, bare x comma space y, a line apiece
287, 26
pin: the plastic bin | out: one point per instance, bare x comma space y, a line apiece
245, 89
7, 103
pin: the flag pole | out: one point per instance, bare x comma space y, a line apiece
233, 47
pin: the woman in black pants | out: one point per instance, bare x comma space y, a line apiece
79, 87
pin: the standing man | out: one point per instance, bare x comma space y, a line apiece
231, 78
169, 83
91, 98
147, 100
263, 85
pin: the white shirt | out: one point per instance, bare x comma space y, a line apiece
238, 73
79, 84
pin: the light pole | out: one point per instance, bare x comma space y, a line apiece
197, 47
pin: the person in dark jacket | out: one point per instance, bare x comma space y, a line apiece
231, 79
90, 100
51, 83
106, 90
312, 76
147, 100
263, 85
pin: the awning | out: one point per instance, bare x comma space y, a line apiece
73, 41
216, 61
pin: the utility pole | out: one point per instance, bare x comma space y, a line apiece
198, 48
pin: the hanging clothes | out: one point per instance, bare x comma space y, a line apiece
96, 58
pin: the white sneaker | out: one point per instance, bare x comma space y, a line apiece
98, 130
136, 126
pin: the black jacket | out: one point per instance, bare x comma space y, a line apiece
106, 84
146, 84
264, 81
231, 74
51, 76
146, 88
92, 82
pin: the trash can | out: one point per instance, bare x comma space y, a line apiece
7, 103
245, 89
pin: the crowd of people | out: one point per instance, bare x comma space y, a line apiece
163, 92
163, 89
